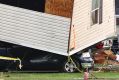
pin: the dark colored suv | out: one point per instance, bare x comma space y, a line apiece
37, 60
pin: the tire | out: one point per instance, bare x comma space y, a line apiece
69, 67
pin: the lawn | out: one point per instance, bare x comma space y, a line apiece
57, 76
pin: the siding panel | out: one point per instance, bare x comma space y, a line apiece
85, 34
34, 29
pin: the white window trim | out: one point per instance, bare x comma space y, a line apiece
98, 14
95, 9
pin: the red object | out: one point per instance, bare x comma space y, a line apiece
86, 75
99, 45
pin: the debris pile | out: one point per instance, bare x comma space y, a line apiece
105, 60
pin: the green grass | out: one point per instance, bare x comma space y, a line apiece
55, 76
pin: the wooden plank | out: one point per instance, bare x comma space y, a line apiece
59, 7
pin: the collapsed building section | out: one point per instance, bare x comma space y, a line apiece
58, 26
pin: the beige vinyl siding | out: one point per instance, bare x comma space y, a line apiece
34, 29
85, 34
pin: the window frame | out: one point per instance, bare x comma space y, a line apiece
99, 10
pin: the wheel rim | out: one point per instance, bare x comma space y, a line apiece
70, 67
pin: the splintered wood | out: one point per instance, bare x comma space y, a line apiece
59, 7
105, 60
101, 56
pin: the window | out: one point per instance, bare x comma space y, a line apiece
117, 6
36, 5
117, 21
96, 13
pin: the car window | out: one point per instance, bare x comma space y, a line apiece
5, 52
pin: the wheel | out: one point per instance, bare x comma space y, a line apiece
70, 67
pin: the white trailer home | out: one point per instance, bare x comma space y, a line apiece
58, 26
117, 15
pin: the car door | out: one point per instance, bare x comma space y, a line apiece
5, 64
39, 60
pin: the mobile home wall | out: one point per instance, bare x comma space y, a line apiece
86, 34
34, 29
